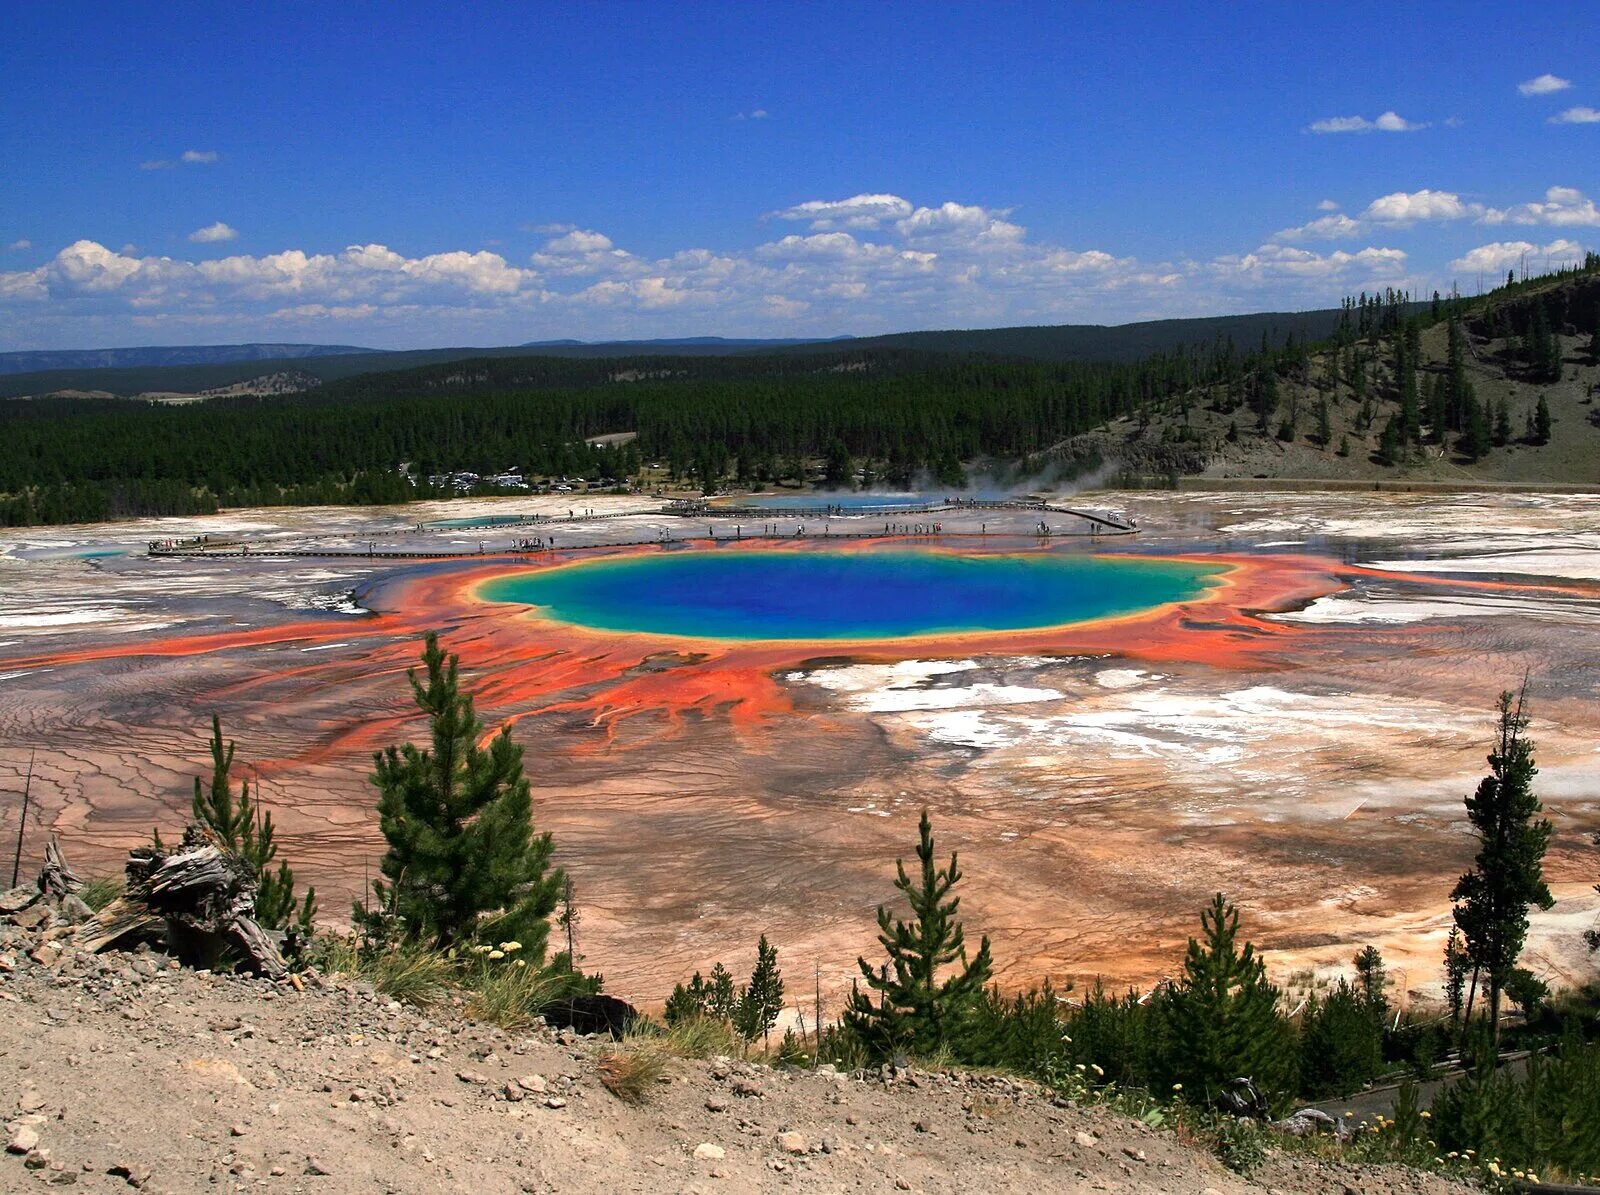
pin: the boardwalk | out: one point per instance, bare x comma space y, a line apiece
591, 529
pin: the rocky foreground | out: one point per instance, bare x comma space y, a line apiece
126, 1070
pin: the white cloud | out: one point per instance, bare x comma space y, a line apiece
1388, 122
213, 233
19, 246
189, 157
1543, 85
1328, 228
1506, 255
753, 114
1282, 261
960, 224
1327, 205
859, 211
1407, 207
1563, 207
1578, 115
871, 262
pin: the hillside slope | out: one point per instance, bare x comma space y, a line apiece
1215, 432
123, 1070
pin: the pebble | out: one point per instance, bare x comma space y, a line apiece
476, 1078
1087, 1140
708, 1152
716, 1103
23, 1140
792, 1142
533, 1083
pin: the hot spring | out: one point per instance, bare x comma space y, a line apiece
821, 594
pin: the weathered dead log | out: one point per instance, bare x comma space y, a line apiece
201, 896
56, 878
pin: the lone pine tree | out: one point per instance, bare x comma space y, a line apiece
243, 828
463, 861
1507, 877
762, 998
914, 1008
1221, 1021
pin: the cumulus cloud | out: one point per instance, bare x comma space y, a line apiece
1327, 205
1330, 228
19, 246
1578, 115
1408, 207
1388, 122
960, 224
1506, 255
1543, 85
870, 262
1562, 207
753, 114
859, 212
213, 233
1283, 261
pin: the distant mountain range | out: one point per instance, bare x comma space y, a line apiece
192, 370
199, 354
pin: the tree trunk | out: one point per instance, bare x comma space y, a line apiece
203, 898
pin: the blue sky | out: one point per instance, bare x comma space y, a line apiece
404, 174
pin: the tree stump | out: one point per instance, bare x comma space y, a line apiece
202, 897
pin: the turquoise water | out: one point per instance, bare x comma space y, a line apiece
822, 594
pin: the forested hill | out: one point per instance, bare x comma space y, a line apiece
1113, 342
1068, 342
166, 355
1498, 387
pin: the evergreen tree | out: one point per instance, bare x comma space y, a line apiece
687, 1001
721, 997
1507, 879
1266, 399
1475, 438
1502, 424
1221, 1020
1389, 442
1456, 966
1341, 1041
1324, 425
1594, 346
1541, 421
762, 999
916, 1008
463, 859
1370, 980
240, 826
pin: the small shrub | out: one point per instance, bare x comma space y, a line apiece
1239, 1144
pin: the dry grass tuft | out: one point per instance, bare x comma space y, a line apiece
631, 1069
